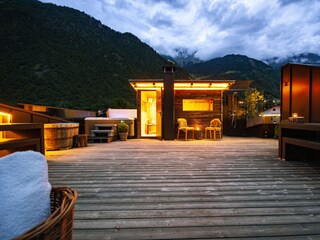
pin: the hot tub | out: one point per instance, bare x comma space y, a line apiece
90, 122
59, 136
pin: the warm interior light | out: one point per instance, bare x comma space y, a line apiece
147, 85
201, 86
159, 85
220, 85
181, 86
148, 113
294, 115
146, 88
5, 117
141, 85
197, 105
270, 115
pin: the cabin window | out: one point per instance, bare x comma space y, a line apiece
4, 118
197, 105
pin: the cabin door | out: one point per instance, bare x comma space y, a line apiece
159, 114
148, 114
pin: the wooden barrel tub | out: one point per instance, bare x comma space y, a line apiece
58, 136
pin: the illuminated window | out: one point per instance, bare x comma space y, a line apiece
5, 117
197, 105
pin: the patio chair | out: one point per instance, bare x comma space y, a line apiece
215, 126
183, 126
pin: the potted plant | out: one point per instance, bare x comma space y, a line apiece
123, 130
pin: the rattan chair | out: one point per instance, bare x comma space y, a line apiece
183, 126
215, 127
60, 223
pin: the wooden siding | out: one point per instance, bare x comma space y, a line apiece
315, 96
300, 85
199, 119
235, 188
20, 115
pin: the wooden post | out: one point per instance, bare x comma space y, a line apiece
168, 103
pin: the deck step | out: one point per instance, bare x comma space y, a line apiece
102, 131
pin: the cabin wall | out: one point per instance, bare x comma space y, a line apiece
300, 92
300, 88
138, 103
198, 119
285, 93
315, 96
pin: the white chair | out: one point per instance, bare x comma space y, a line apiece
215, 126
183, 126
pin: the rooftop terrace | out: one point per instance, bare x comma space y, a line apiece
149, 189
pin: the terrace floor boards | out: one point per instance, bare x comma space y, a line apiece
235, 188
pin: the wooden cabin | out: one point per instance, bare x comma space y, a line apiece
160, 102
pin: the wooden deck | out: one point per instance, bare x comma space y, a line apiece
149, 189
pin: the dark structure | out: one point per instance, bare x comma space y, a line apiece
18, 115
67, 115
22, 129
21, 137
168, 121
234, 122
300, 92
300, 112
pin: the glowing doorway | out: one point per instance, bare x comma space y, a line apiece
150, 109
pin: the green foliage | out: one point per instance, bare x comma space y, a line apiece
123, 127
252, 98
62, 57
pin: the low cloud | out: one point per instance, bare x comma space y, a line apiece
256, 28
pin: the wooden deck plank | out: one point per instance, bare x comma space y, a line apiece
207, 212
310, 231
148, 189
187, 222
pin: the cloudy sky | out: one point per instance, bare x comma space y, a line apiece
213, 28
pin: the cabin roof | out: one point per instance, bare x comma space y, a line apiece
317, 65
182, 84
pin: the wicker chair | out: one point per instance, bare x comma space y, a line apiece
183, 126
60, 223
215, 126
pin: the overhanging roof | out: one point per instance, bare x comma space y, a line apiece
154, 84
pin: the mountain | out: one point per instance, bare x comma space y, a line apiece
183, 57
239, 67
303, 58
58, 56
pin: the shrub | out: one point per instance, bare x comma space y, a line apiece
123, 127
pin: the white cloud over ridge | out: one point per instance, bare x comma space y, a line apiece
213, 28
